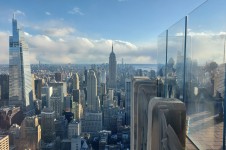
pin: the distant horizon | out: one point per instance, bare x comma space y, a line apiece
85, 64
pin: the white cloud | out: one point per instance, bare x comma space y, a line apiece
61, 40
205, 46
4, 49
19, 12
78, 50
53, 28
65, 47
47, 13
84, 50
27, 34
76, 10
204, 33
59, 31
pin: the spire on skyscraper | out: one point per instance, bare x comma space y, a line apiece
112, 48
13, 16
224, 53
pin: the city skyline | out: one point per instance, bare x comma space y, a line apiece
167, 95
79, 31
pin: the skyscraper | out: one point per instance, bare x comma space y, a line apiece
93, 103
58, 77
75, 81
20, 88
112, 70
46, 93
4, 89
76, 95
74, 129
48, 125
30, 134
56, 105
128, 100
76, 104
92, 121
103, 76
38, 88
76, 143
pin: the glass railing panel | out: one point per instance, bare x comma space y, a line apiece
205, 74
161, 63
175, 60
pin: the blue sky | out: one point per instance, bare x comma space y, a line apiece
78, 30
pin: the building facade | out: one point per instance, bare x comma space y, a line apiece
127, 99
48, 125
76, 143
76, 95
56, 105
20, 88
38, 88
112, 70
92, 123
46, 94
30, 134
143, 89
4, 142
58, 77
4, 87
93, 103
74, 129
75, 81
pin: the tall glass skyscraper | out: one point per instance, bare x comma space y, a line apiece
20, 88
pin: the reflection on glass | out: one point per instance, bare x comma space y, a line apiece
175, 60
161, 61
204, 77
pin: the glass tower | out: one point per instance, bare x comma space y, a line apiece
20, 88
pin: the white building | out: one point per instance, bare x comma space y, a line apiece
93, 103
103, 76
46, 94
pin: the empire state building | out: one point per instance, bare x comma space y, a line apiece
112, 70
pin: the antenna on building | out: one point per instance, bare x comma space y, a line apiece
39, 64
112, 46
224, 52
13, 15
